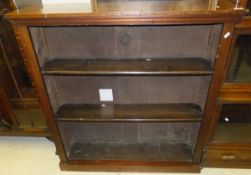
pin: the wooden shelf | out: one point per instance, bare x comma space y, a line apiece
130, 151
170, 66
129, 112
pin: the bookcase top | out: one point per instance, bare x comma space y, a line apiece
127, 12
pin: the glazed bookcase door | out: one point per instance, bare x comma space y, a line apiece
19, 97
230, 142
237, 84
239, 66
235, 94
20, 111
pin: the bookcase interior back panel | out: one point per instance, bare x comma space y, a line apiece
116, 42
128, 89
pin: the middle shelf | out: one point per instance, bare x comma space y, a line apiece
129, 112
131, 98
148, 66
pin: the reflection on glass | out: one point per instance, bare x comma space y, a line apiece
234, 125
240, 68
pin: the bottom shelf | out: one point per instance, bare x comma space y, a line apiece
130, 151
129, 141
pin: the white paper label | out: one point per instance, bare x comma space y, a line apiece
105, 95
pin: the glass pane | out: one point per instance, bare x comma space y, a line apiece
249, 7
17, 87
240, 68
30, 118
234, 125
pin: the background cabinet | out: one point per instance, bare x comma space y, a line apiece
230, 144
21, 113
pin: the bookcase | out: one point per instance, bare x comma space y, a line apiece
127, 91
